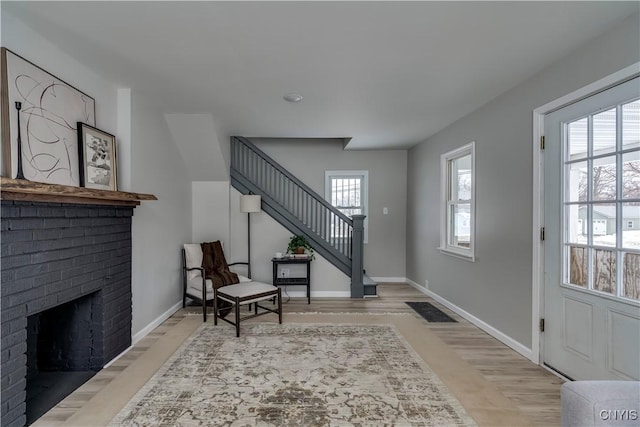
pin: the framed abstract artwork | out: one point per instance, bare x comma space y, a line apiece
97, 153
42, 111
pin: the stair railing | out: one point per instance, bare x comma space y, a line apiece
301, 208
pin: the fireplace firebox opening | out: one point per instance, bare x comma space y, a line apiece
64, 350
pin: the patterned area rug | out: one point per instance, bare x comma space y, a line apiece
294, 375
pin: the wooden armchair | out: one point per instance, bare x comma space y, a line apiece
225, 289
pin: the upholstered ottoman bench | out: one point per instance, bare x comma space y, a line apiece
600, 403
247, 293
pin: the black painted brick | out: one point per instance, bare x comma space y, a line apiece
5, 329
110, 212
28, 211
68, 253
18, 421
30, 247
79, 280
47, 278
91, 286
99, 272
10, 313
42, 304
60, 265
15, 286
18, 349
69, 294
61, 243
53, 253
14, 368
31, 270
13, 339
17, 324
44, 257
47, 234
72, 232
51, 211
10, 211
15, 261
23, 224
13, 417
7, 275
125, 212
25, 296
113, 262
103, 221
17, 236
56, 222
81, 222
76, 271
85, 259
56, 287
17, 393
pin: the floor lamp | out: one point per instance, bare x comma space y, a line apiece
250, 204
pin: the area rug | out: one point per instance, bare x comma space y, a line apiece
430, 312
301, 374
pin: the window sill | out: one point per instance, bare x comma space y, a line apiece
456, 254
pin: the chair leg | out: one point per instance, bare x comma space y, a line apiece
184, 300
280, 306
237, 317
215, 307
256, 308
204, 302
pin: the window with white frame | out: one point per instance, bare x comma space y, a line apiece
458, 202
601, 201
347, 191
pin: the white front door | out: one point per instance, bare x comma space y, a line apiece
591, 265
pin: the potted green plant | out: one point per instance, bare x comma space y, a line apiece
299, 245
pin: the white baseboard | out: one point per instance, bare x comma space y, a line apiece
117, 357
389, 279
505, 339
421, 288
150, 327
316, 294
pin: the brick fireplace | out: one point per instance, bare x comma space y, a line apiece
57, 255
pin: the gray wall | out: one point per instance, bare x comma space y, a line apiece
148, 161
497, 287
160, 227
309, 159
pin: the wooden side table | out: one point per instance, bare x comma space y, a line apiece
280, 280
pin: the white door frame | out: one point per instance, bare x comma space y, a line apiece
537, 306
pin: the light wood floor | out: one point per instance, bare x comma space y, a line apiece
534, 390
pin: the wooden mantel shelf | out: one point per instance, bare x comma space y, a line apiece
20, 189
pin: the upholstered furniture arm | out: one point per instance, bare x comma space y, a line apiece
600, 403
241, 277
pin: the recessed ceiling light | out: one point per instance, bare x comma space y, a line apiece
293, 97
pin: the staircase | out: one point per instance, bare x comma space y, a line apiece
334, 236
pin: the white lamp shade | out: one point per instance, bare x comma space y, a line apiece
250, 203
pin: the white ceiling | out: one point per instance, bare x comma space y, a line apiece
386, 74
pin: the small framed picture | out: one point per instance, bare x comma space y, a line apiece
97, 153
